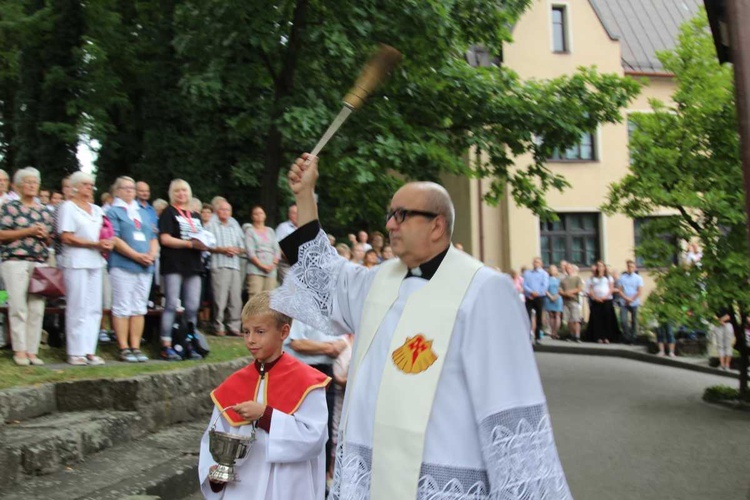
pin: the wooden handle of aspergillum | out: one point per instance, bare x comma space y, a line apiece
375, 71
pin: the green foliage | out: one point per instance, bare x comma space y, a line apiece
226, 93
45, 115
717, 393
277, 78
685, 158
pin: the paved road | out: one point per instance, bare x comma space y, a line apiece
632, 430
628, 430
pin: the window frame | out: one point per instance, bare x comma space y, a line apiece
568, 234
563, 10
559, 158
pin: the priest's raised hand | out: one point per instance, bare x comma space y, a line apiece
303, 174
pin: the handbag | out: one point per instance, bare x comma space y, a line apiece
107, 232
47, 282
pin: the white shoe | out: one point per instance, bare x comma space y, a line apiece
92, 360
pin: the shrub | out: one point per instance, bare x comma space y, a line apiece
720, 393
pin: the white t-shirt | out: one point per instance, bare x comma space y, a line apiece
73, 219
600, 287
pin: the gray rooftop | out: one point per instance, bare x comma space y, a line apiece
644, 27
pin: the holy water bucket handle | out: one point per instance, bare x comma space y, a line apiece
213, 424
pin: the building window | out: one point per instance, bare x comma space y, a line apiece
479, 57
574, 237
559, 29
662, 251
583, 151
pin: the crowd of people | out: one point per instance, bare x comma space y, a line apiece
559, 294
128, 253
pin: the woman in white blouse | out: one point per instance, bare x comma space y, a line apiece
603, 326
79, 225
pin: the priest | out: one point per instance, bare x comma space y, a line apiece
443, 397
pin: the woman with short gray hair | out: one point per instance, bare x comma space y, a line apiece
131, 268
80, 224
25, 229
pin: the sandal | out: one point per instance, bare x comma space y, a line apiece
94, 360
77, 360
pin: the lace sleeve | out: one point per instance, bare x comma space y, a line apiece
521, 456
308, 290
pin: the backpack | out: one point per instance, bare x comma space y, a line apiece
188, 340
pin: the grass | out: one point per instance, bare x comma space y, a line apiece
222, 349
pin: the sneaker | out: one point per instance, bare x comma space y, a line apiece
660, 354
169, 354
142, 358
94, 360
128, 356
104, 336
77, 360
672, 355
578, 340
193, 355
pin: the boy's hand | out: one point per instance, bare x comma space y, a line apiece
250, 410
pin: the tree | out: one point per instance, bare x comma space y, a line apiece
685, 158
46, 116
272, 76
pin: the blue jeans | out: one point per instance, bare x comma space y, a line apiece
665, 334
189, 288
629, 325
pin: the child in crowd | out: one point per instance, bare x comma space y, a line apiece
286, 400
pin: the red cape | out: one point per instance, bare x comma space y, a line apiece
288, 382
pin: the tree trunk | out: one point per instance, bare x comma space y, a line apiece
284, 87
742, 347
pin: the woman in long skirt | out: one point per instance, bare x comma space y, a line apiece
603, 326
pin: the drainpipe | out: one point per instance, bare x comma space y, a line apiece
480, 219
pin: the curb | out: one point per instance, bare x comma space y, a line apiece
635, 355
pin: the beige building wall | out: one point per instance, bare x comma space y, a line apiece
508, 236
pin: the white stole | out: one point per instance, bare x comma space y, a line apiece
405, 399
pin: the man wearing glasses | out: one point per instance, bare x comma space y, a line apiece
443, 394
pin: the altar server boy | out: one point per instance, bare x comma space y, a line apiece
286, 399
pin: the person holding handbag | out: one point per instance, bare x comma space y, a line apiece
25, 229
79, 225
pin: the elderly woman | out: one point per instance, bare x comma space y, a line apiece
79, 224
263, 253
25, 228
159, 206
180, 263
131, 267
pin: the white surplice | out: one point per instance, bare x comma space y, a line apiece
287, 463
489, 434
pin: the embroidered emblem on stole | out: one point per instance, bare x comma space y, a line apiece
415, 356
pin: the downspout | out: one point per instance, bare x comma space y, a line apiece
480, 219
